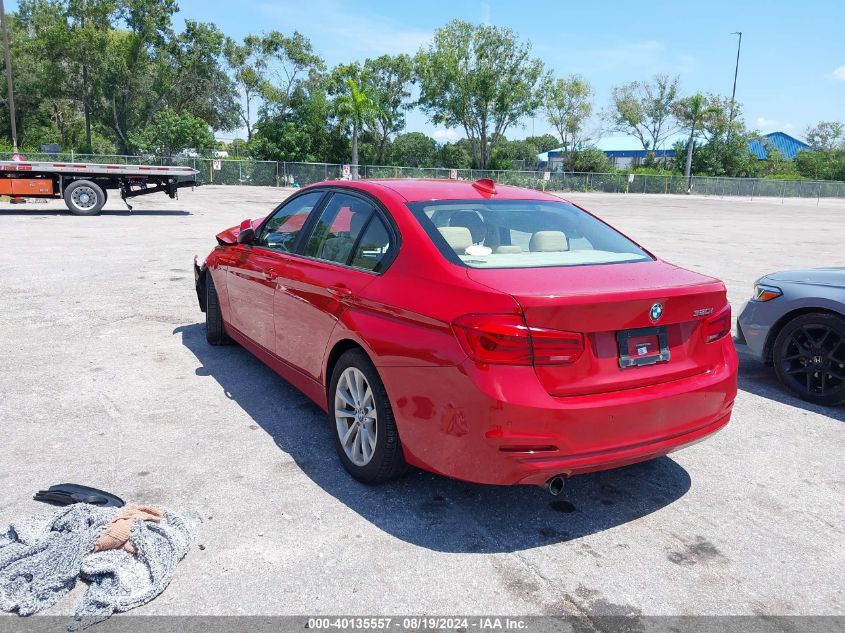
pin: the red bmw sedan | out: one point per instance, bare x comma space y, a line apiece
489, 333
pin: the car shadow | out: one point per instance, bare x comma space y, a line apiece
35, 211
425, 509
755, 377
162, 212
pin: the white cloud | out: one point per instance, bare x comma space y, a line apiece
445, 134
839, 74
486, 15
344, 32
769, 125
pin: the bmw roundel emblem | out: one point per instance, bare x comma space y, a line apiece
656, 312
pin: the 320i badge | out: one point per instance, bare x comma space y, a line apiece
488, 333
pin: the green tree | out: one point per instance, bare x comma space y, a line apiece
198, 82
567, 105
691, 112
455, 155
248, 62
480, 78
170, 132
413, 149
725, 151
281, 79
826, 136
292, 71
826, 158
388, 81
645, 109
353, 106
589, 159
544, 142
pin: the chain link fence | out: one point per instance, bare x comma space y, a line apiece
228, 171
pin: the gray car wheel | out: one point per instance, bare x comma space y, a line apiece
809, 358
363, 426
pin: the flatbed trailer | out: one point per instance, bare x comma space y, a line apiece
84, 186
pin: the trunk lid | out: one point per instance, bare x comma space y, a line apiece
602, 301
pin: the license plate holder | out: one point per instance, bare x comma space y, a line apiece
643, 346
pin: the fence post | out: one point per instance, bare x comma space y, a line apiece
277, 173
285, 171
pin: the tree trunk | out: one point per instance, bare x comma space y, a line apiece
354, 151
86, 109
688, 167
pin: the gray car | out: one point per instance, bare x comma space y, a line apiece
796, 322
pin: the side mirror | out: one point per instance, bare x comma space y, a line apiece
247, 233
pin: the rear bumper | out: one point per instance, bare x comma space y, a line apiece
498, 425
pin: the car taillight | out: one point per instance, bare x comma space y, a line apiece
504, 339
555, 347
718, 325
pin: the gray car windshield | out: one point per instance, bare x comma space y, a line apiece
522, 234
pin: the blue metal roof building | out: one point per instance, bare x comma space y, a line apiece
787, 145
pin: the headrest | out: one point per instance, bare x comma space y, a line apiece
458, 237
472, 221
548, 241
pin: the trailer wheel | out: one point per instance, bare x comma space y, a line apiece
84, 197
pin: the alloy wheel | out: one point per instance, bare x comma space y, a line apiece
814, 359
355, 416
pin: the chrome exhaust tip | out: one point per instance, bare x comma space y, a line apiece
555, 485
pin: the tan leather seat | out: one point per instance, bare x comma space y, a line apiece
508, 248
472, 221
458, 237
548, 242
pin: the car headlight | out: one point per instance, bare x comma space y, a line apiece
762, 292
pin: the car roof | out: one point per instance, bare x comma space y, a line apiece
422, 189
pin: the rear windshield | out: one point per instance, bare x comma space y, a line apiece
522, 234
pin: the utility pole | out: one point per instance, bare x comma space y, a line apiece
9, 86
736, 72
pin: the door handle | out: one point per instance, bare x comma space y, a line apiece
340, 291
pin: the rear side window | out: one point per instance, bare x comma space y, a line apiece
281, 230
374, 246
340, 224
522, 234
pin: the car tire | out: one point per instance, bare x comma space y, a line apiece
376, 459
84, 197
215, 332
809, 358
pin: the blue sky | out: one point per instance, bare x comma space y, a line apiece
792, 69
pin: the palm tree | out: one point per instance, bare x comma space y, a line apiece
357, 109
691, 112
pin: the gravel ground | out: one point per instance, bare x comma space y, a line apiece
106, 379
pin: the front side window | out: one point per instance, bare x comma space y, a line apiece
279, 233
340, 224
522, 234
